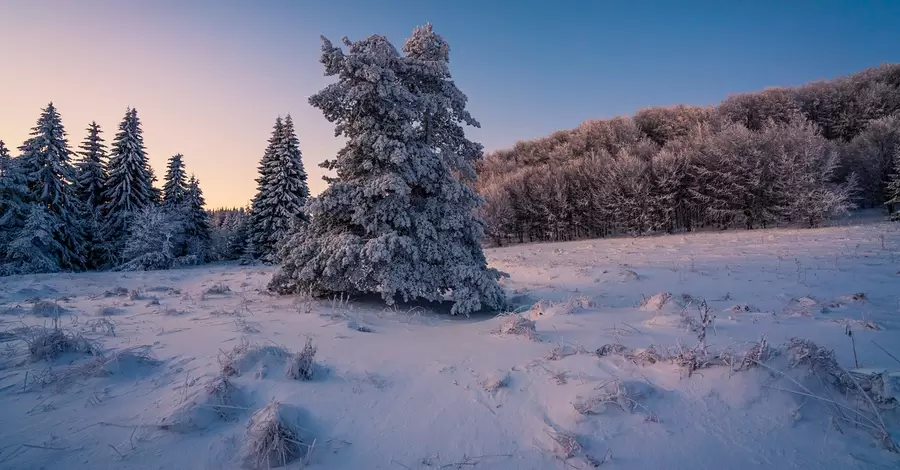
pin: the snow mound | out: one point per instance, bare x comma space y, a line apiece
45, 308
275, 437
656, 302
218, 401
544, 308
515, 324
246, 358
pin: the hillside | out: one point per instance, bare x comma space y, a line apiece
783, 156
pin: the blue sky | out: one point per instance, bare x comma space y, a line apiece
210, 77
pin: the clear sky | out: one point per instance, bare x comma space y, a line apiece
209, 77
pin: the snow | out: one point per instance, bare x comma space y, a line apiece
417, 388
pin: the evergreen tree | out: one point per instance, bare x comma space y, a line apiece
175, 185
893, 188
35, 248
48, 175
236, 245
13, 199
151, 241
90, 178
282, 192
90, 171
398, 219
129, 188
195, 221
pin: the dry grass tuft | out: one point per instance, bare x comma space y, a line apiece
216, 289
567, 445
274, 437
615, 349
515, 324
45, 308
49, 343
495, 382
302, 364
109, 311
620, 394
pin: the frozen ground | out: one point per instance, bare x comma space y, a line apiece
179, 361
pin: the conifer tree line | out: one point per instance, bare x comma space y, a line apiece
97, 207
796, 156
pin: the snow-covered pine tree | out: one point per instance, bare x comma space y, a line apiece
195, 222
129, 188
282, 192
151, 240
175, 185
397, 220
90, 170
90, 179
35, 248
892, 189
13, 199
236, 245
48, 174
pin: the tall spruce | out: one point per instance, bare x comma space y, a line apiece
175, 185
195, 220
48, 174
90, 181
282, 192
90, 170
398, 219
129, 188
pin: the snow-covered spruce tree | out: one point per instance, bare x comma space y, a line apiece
195, 223
34, 248
398, 219
151, 240
892, 189
90, 178
48, 174
13, 199
282, 192
175, 185
129, 188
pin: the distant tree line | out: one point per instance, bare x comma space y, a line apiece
781, 156
97, 208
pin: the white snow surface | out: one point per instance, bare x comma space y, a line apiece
420, 389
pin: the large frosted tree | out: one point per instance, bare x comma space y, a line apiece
398, 219
90, 181
282, 192
175, 184
129, 188
48, 174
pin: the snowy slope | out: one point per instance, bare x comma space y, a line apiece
419, 389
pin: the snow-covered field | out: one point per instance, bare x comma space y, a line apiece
409, 387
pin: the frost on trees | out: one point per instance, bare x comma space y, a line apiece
34, 248
282, 192
129, 188
195, 223
13, 200
151, 242
893, 188
175, 183
399, 217
48, 174
90, 178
